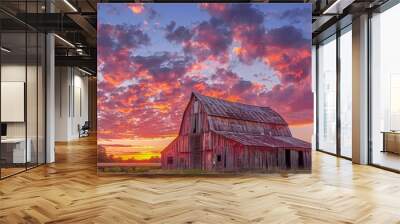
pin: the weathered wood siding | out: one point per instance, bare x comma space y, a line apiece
178, 150
219, 153
234, 156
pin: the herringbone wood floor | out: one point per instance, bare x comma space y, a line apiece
70, 191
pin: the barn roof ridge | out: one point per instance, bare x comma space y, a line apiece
228, 109
230, 102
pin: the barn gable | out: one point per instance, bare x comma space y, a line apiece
194, 116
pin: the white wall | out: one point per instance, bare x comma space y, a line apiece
80, 110
62, 81
71, 102
12, 73
33, 126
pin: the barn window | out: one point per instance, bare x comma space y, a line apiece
287, 158
196, 118
219, 158
301, 159
196, 107
195, 121
170, 160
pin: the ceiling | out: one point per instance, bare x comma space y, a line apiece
75, 21
332, 15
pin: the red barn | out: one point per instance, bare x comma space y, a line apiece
216, 134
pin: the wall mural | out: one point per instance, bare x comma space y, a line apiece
204, 88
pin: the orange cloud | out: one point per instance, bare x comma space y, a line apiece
237, 50
200, 87
163, 108
233, 98
136, 8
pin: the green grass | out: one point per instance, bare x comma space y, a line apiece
189, 172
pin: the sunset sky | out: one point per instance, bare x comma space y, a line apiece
152, 56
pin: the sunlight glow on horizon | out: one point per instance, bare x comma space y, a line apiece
137, 148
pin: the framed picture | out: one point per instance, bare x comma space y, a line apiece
204, 88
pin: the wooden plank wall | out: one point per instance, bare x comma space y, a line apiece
234, 156
179, 150
248, 127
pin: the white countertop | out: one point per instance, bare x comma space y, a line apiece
13, 140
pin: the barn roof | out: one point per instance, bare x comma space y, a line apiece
265, 140
240, 111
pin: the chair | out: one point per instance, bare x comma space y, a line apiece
84, 130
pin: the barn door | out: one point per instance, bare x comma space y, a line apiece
195, 149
